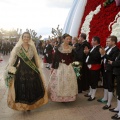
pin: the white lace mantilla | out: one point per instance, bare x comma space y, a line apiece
62, 50
30, 54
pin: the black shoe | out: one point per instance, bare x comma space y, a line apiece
28, 110
91, 99
113, 110
87, 95
115, 117
106, 107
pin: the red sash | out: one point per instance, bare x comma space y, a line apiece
94, 66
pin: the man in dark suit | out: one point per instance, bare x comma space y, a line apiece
102, 63
103, 75
111, 54
116, 71
93, 61
48, 54
8, 47
4, 48
81, 57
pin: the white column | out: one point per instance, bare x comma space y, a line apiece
77, 18
67, 25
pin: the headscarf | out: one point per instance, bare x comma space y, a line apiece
18, 44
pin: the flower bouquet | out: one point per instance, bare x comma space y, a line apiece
107, 2
8, 79
9, 75
77, 65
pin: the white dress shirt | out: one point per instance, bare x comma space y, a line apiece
108, 52
90, 52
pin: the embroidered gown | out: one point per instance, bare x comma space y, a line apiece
63, 82
27, 90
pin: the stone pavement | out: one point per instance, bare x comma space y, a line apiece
81, 109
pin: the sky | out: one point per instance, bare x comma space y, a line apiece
39, 15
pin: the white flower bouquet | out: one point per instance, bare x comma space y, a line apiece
9, 75
77, 65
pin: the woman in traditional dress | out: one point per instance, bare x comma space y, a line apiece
24, 76
63, 82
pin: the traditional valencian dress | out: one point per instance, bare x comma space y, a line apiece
26, 89
63, 82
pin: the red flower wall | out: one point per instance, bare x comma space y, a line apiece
100, 22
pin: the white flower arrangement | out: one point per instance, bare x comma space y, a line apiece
86, 25
12, 70
76, 64
115, 26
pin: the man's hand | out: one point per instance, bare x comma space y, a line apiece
110, 62
102, 51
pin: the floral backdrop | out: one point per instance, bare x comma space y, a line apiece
102, 21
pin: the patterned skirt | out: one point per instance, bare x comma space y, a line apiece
62, 85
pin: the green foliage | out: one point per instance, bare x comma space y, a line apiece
107, 2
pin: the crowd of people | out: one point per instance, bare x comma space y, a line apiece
25, 78
6, 46
97, 62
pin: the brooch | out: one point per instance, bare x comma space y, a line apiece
63, 61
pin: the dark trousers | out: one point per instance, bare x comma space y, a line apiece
94, 78
118, 87
79, 85
108, 80
83, 81
49, 58
5, 51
